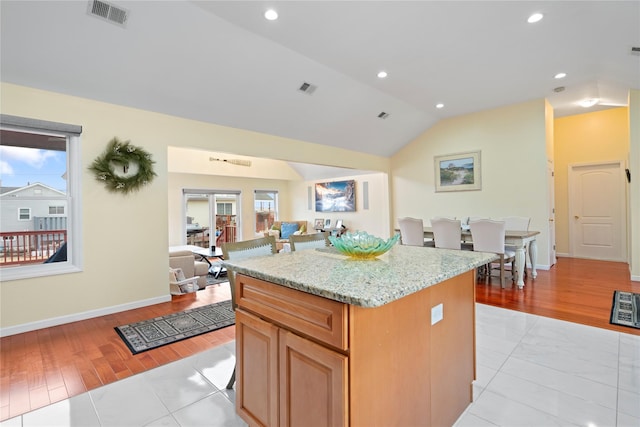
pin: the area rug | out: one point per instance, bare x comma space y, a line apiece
625, 309
163, 330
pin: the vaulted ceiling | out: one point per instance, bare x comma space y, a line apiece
223, 62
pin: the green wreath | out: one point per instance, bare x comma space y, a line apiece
123, 154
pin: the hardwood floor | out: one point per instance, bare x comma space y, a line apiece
45, 366
576, 290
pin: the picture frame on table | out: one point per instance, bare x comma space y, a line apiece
327, 223
318, 224
338, 223
458, 172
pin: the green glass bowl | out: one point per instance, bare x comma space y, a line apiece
362, 245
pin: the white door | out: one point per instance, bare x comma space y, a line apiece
552, 212
212, 217
596, 211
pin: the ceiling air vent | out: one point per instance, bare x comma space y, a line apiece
307, 88
383, 115
108, 12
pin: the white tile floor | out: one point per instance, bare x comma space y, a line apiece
532, 371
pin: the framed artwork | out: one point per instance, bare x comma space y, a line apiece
327, 223
458, 172
337, 196
318, 224
338, 223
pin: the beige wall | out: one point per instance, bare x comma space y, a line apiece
246, 186
585, 138
374, 220
125, 238
513, 142
293, 201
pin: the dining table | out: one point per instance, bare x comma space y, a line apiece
522, 241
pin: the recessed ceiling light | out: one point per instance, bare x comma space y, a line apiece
271, 15
439, 105
560, 76
586, 103
382, 74
535, 18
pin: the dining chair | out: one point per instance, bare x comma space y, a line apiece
309, 241
518, 223
447, 233
241, 250
489, 236
467, 244
412, 232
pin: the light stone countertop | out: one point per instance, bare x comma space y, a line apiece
366, 283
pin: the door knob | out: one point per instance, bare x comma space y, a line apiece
576, 217
550, 219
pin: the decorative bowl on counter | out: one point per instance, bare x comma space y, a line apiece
362, 245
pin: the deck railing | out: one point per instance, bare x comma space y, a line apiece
29, 247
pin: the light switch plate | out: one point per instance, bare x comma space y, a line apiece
437, 314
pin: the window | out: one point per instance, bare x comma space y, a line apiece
39, 218
224, 208
266, 207
56, 210
24, 214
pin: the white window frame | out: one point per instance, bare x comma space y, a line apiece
275, 209
20, 214
57, 208
224, 205
74, 261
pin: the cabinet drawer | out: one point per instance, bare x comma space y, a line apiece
319, 318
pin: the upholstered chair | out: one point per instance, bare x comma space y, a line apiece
240, 250
489, 236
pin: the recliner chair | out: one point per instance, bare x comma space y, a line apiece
190, 267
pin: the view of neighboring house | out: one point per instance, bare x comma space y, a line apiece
26, 212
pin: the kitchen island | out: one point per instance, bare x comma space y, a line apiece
322, 339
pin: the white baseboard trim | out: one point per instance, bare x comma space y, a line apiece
562, 255
543, 267
55, 321
635, 278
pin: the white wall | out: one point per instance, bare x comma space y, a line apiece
513, 142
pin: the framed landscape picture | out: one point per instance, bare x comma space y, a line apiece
458, 172
337, 196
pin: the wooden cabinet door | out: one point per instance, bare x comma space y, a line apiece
313, 384
257, 370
